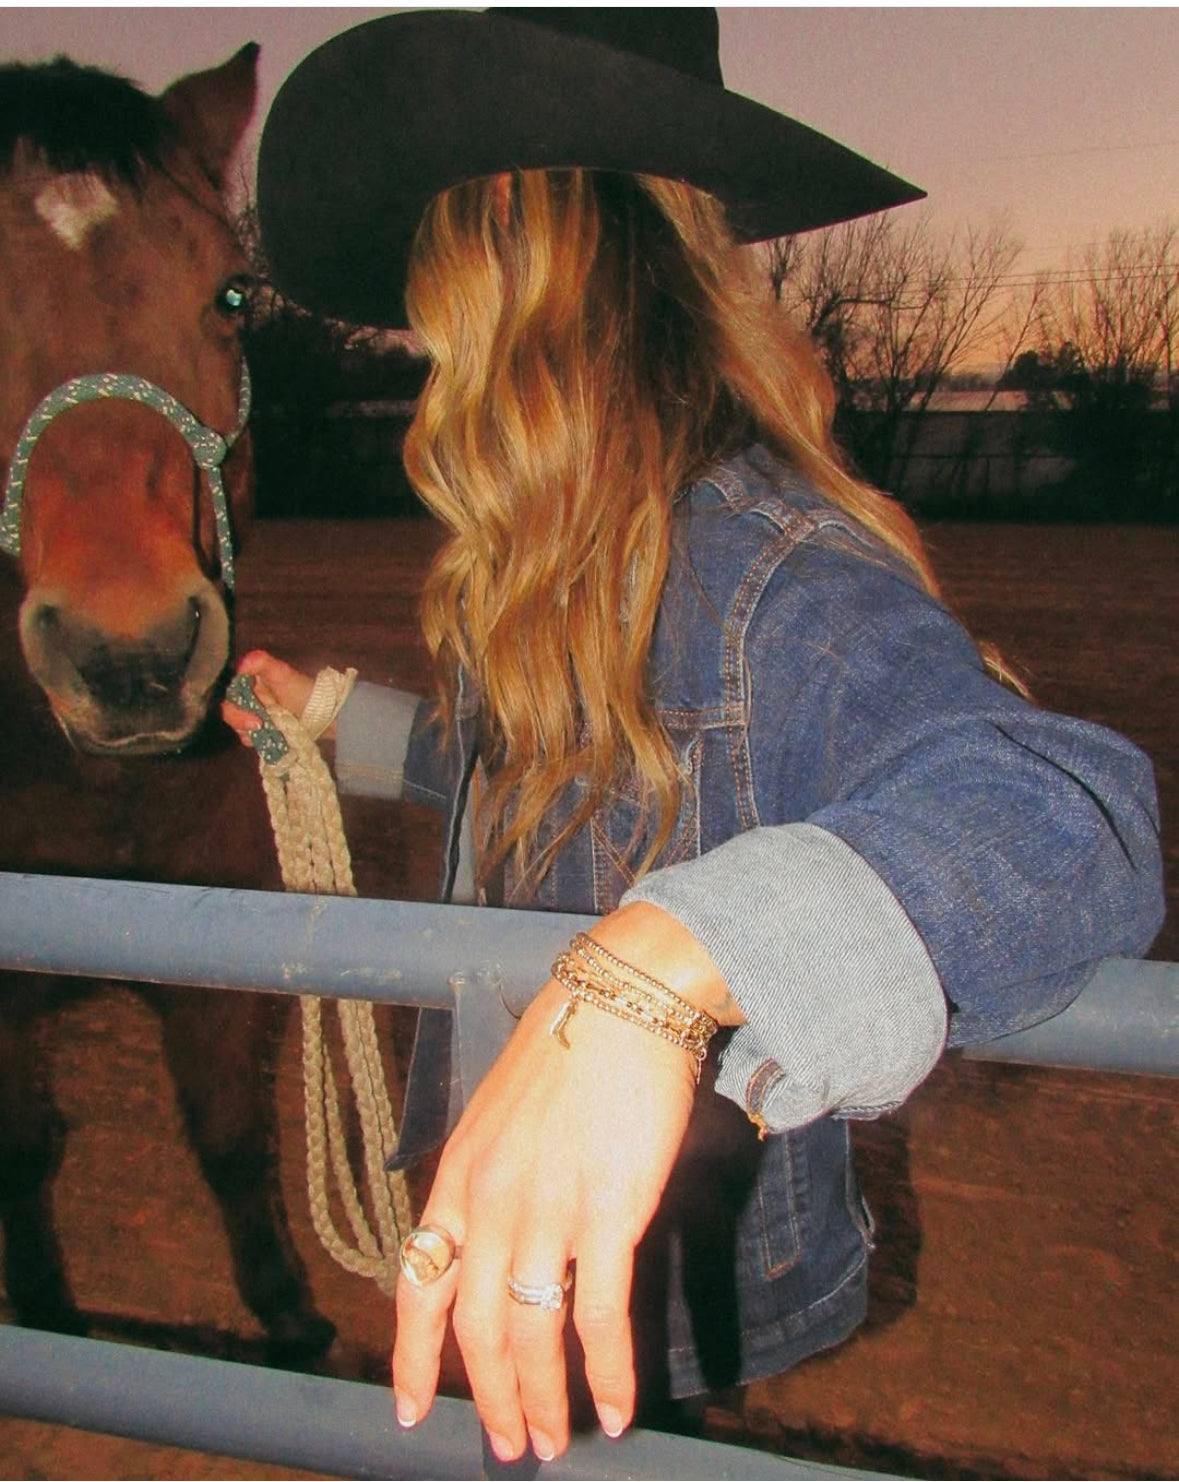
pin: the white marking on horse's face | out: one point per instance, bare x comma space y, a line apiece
71, 206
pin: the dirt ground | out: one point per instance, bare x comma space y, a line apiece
1024, 1297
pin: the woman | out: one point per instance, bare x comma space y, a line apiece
694, 679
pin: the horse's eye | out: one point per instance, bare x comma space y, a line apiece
232, 297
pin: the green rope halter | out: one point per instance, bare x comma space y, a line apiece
209, 448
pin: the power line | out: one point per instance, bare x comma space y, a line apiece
1064, 276
1051, 154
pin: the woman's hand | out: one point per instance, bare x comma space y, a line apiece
561, 1156
274, 682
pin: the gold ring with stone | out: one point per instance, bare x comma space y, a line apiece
425, 1254
550, 1297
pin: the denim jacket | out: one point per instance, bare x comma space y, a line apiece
882, 848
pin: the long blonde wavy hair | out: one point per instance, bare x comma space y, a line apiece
596, 341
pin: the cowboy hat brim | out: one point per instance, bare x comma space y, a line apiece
379, 120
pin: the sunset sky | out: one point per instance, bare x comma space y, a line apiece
1060, 122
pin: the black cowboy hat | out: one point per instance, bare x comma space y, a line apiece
379, 120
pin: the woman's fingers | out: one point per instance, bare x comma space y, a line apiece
562, 1153
422, 1314
481, 1327
513, 1347
601, 1315
538, 1296
476, 1287
275, 682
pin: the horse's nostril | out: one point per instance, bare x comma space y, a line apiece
128, 676
60, 638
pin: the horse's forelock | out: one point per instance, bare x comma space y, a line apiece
80, 119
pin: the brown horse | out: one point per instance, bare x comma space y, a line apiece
119, 259
121, 424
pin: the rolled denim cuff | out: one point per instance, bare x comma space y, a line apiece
372, 739
844, 1010
373, 733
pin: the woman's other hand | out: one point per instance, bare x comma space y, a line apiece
274, 683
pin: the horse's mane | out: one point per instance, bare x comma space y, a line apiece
80, 118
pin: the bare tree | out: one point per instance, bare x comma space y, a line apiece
1107, 326
1019, 329
1118, 307
828, 281
894, 309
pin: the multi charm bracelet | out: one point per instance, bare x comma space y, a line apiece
590, 974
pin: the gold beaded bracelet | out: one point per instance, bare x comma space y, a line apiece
590, 974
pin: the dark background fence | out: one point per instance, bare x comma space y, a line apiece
344, 461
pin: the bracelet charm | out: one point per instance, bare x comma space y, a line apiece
590, 974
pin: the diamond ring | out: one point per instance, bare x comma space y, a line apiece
549, 1297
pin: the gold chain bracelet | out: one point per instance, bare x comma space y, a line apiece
590, 974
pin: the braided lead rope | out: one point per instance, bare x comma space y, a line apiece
209, 448
313, 857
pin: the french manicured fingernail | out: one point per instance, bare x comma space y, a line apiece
503, 1449
541, 1444
611, 1421
407, 1411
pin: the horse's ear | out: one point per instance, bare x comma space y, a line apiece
211, 109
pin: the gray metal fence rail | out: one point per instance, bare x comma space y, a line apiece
1126, 1018
333, 1426
483, 965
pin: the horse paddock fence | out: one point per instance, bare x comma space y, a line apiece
481, 965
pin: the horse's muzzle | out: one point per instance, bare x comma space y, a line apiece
115, 694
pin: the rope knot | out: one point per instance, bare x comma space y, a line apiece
208, 447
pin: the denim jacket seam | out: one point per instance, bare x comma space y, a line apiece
418, 792
757, 1088
734, 491
603, 852
706, 718
865, 1113
797, 526
607, 856
795, 529
736, 675
760, 1082
795, 1220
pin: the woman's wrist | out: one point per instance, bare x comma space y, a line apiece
592, 975
328, 696
654, 943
